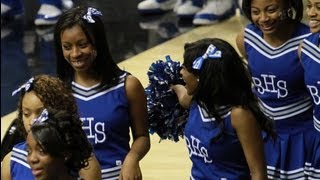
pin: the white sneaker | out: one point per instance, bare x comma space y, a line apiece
47, 15
67, 4
155, 6
188, 9
215, 11
5, 8
178, 4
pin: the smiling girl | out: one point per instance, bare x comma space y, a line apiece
270, 46
57, 147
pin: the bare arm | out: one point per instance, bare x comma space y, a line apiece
249, 134
92, 171
299, 51
139, 126
184, 98
5, 167
240, 44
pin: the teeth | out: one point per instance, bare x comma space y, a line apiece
313, 23
77, 62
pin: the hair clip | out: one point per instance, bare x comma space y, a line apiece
211, 53
91, 12
26, 86
43, 117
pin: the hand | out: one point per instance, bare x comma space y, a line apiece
130, 170
175, 87
183, 97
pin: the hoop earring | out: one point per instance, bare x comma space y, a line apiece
286, 14
290, 13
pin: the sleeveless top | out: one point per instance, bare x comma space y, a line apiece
105, 115
277, 74
19, 167
219, 159
310, 58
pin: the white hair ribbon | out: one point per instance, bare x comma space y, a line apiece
211, 53
26, 86
43, 117
91, 12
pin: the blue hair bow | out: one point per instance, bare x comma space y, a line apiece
211, 53
26, 86
43, 117
91, 11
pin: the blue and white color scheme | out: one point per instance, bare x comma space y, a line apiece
221, 159
105, 115
310, 58
212, 53
19, 167
278, 79
91, 12
25, 87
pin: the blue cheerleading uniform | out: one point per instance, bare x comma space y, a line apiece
106, 121
220, 159
310, 58
278, 79
19, 167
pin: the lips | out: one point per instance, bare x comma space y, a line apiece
266, 27
37, 172
314, 23
77, 63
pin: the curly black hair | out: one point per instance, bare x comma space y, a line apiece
53, 93
62, 136
224, 81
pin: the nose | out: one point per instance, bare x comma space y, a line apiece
311, 11
75, 52
264, 16
32, 158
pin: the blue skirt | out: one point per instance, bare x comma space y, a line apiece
295, 153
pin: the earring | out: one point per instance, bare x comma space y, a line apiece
94, 54
286, 14
198, 79
290, 13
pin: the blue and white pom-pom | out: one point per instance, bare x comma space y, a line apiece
165, 115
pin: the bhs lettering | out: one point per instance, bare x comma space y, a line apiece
96, 132
196, 150
267, 83
315, 94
